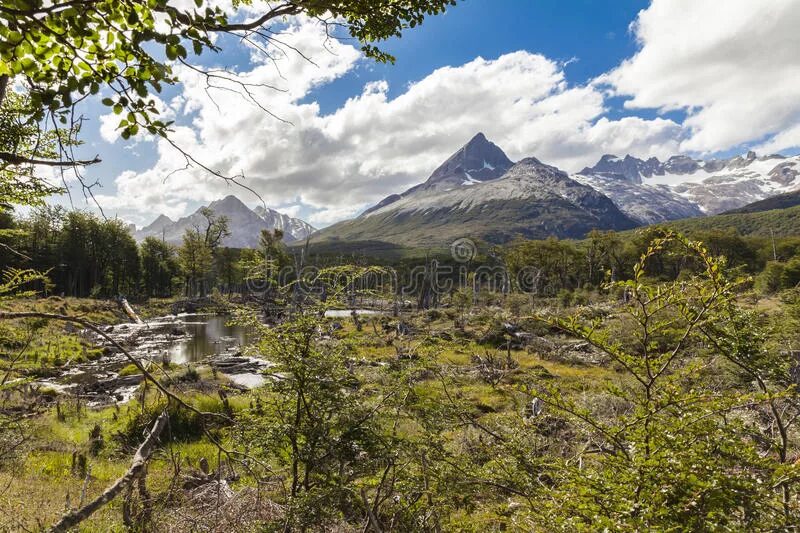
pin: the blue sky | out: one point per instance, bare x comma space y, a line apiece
592, 34
585, 80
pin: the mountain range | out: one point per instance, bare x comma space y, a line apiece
712, 186
479, 192
245, 224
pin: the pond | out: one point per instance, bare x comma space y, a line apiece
207, 335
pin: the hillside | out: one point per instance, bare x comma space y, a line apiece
781, 201
777, 222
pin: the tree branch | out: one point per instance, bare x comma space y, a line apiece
14, 159
285, 9
73, 518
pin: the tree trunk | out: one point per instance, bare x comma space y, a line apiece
3, 86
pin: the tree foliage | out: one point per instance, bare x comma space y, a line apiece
125, 51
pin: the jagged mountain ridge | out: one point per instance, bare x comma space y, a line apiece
245, 224
713, 185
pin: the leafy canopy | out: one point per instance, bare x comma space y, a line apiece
67, 50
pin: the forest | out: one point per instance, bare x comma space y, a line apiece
89, 256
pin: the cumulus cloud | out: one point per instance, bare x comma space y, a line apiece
330, 166
732, 66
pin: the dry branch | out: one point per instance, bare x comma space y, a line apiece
73, 518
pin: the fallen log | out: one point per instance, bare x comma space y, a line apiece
73, 518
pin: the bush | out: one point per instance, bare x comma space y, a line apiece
769, 281
129, 370
790, 277
184, 425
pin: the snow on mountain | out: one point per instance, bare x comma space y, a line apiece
294, 228
647, 204
478, 161
713, 186
530, 179
245, 224
478, 192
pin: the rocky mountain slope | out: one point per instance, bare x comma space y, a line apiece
479, 193
647, 204
712, 186
244, 223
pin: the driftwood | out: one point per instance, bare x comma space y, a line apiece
73, 518
129, 311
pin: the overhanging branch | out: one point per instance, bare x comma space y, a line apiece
14, 159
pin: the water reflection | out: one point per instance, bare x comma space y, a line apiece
207, 335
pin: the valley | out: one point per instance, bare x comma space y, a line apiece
389, 266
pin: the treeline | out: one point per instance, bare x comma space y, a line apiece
552, 266
88, 256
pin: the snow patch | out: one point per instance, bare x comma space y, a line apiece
470, 180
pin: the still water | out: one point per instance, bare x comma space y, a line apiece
207, 335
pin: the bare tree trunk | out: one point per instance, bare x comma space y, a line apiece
73, 518
3, 86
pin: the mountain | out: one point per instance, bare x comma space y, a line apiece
647, 204
245, 224
629, 168
478, 161
162, 222
293, 228
712, 186
479, 193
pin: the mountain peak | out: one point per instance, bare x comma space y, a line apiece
228, 203
478, 138
629, 168
478, 160
158, 224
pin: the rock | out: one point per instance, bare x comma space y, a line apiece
534, 408
213, 493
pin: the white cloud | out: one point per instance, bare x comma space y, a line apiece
733, 66
334, 165
789, 138
109, 122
